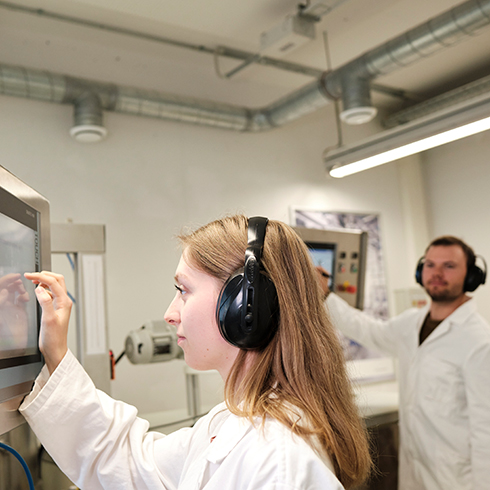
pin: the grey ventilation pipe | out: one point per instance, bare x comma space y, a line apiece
88, 119
349, 82
459, 95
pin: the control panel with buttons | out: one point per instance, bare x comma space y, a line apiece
342, 253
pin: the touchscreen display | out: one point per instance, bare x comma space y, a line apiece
19, 253
324, 257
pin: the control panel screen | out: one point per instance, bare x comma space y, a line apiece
19, 253
323, 255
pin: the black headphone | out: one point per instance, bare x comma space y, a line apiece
247, 306
475, 276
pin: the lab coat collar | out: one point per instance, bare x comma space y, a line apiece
231, 432
457, 317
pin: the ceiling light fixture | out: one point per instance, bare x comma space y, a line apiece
448, 125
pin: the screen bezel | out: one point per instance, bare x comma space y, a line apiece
26, 215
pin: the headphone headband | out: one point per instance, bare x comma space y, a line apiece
256, 237
253, 256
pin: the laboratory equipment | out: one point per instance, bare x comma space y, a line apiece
155, 341
342, 253
24, 247
85, 246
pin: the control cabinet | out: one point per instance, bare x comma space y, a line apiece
343, 254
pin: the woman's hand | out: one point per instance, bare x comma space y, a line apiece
56, 307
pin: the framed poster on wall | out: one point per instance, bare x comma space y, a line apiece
364, 364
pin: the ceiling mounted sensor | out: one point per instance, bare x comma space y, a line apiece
88, 126
441, 127
294, 31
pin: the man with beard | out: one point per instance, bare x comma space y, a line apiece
444, 371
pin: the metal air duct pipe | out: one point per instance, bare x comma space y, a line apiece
88, 119
459, 95
428, 38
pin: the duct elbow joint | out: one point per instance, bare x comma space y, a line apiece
258, 121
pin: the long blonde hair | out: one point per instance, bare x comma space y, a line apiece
303, 366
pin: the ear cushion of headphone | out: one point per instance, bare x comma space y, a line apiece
418, 271
474, 277
229, 313
229, 309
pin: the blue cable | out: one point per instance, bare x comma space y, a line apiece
22, 462
72, 264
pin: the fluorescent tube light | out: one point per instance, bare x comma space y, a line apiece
429, 132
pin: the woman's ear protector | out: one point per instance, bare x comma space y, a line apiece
475, 276
247, 306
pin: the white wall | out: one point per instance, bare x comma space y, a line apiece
151, 177
457, 178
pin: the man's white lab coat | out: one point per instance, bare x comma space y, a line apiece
100, 443
444, 393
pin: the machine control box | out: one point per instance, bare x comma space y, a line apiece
342, 253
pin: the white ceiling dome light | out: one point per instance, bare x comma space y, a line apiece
358, 115
88, 133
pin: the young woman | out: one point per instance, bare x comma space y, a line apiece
251, 309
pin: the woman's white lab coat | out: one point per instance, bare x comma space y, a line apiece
100, 443
444, 393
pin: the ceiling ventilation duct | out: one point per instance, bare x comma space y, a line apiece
350, 82
356, 98
88, 119
466, 93
443, 126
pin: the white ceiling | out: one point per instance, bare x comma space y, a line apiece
352, 28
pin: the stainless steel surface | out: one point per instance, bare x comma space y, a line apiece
27, 194
12, 476
9, 417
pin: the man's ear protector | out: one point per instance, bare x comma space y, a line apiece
247, 306
475, 276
